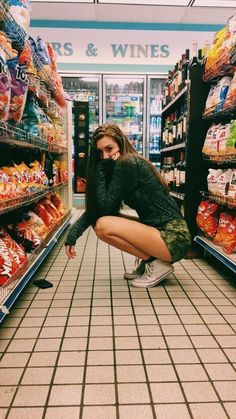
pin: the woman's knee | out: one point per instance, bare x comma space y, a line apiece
102, 227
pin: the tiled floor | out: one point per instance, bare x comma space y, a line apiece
93, 347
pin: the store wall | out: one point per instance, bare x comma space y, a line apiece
106, 47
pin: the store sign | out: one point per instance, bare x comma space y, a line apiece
106, 47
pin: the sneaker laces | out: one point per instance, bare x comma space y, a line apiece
148, 271
136, 263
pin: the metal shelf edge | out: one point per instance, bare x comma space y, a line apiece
220, 256
32, 269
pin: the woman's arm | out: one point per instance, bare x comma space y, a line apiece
110, 194
77, 229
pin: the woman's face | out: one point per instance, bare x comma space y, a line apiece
108, 148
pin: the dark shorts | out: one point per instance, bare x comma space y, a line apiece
177, 238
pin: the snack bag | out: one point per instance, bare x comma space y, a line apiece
37, 224
15, 179
232, 185
229, 239
26, 177
63, 173
202, 208
222, 88
5, 92
231, 140
211, 219
18, 251
42, 212
212, 180
38, 174
26, 58
222, 185
20, 11
7, 189
19, 89
230, 99
25, 235
56, 200
50, 208
208, 140
8, 264
225, 220
209, 106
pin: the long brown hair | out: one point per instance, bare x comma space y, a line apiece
125, 147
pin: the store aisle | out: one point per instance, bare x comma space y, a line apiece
93, 347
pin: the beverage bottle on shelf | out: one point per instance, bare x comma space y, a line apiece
170, 131
167, 171
182, 169
153, 124
174, 128
184, 132
185, 67
180, 127
165, 133
171, 174
200, 58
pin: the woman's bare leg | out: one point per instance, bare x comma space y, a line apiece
132, 237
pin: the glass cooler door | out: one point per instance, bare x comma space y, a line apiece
124, 105
154, 94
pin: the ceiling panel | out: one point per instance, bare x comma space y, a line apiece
214, 3
63, 1
149, 2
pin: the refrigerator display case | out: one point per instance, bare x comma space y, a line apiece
155, 87
125, 104
82, 89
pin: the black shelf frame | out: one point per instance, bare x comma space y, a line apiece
194, 94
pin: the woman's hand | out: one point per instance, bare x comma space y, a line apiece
70, 251
116, 155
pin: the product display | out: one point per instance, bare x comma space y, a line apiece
216, 216
34, 207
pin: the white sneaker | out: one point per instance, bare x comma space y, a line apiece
139, 269
154, 273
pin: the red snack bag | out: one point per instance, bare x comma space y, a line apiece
229, 239
42, 212
50, 208
8, 264
5, 93
25, 235
225, 220
200, 214
211, 219
17, 250
37, 224
56, 200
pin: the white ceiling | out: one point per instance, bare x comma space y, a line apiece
171, 11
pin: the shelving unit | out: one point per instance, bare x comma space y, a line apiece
14, 139
11, 290
193, 97
225, 65
226, 202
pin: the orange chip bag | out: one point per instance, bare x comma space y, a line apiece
225, 220
200, 214
211, 219
229, 238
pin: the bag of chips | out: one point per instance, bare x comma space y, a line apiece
19, 89
5, 92
8, 264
